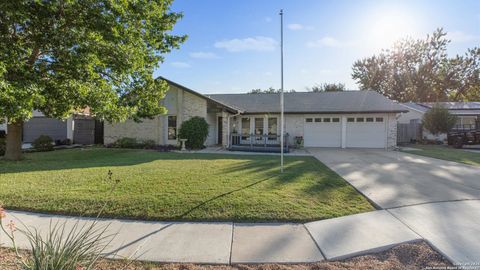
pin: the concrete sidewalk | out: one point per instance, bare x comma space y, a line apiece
232, 243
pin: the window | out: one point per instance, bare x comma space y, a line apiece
360, 119
379, 119
272, 126
369, 119
350, 119
308, 120
318, 120
258, 126
246, 125
326, 120
172, 127
335, 120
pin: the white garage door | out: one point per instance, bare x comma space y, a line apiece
365, 132
323, 132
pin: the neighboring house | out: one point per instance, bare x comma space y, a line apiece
467, 113
344, 119
79, 128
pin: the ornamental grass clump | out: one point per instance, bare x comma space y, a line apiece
65, 246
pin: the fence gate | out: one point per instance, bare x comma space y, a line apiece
410, 132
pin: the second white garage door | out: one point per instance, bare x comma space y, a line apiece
323, 132
365, 132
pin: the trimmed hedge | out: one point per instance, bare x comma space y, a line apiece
195, 130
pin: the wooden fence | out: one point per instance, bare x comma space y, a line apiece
410, 132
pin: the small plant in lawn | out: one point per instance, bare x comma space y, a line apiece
195, 130
43, 143
62, 247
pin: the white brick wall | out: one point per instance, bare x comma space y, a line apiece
177, 101
146, 130
392, 131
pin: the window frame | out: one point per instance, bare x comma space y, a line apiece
381, 119
175, 129
308, 120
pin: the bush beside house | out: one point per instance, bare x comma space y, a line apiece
43, 143
195, 130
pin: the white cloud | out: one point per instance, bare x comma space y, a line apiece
295, 26
328, 42
268, 19
180, 64
298, 27
268, 73
204, 55
258, 43
459, 36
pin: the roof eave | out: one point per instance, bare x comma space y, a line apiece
228, 107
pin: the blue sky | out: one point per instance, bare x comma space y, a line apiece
233, 46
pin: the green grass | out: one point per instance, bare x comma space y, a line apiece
177, 186
447, 153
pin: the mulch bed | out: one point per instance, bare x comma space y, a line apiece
406, 256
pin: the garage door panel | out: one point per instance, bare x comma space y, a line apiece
365, 135
54, 128
323, 135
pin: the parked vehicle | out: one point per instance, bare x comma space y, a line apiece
462, 135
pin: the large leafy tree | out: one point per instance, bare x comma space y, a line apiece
420, 70
58, 56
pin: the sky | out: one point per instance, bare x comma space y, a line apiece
234, 46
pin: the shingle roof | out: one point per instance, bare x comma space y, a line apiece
455, 105
312, 102
415, 106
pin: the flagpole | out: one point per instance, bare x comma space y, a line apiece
281, 92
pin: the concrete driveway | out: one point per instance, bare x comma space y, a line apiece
437, 199
394, 179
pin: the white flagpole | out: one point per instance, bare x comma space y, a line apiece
281, 92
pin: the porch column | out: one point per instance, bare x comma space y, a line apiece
226, 129
344, 132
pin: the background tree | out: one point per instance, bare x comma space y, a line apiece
270, 90
327, 87
438, 120
420, 70
59, 56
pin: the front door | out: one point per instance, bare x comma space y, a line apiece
220, 130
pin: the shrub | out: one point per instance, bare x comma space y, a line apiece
133, 143
126, 142
438, 120
148, 144
195, 130
43, 143
2, 146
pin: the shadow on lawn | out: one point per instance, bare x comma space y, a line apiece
108, 157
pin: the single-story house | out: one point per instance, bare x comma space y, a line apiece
79, 128
344, 119
467, 112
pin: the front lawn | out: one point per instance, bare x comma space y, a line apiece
447, 153
174, 186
